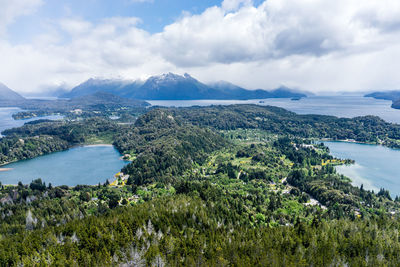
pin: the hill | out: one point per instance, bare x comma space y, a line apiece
396, 104
393, 95
199, 194
6, 94
387, 95
92, 102
176, 87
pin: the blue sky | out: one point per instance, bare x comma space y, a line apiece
315, 45
154, 14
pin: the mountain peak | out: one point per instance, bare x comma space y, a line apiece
170, 77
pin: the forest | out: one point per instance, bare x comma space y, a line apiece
208, 186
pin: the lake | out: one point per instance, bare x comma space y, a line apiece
79, 165
7, 121
376, 166
340, 106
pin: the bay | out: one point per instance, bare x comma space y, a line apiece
80, 165
7, 121
375, 166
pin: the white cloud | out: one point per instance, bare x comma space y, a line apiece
311, 44
10, 10
231, 5
75, 26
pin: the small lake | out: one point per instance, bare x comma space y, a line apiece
376, 166
79, 165
341, 106
7, 121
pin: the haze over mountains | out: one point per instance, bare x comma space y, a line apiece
175, 87
9, 98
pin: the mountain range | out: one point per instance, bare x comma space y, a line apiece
176, 87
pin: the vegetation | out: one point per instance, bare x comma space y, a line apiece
212, 186
278, 121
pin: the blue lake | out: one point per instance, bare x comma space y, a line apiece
376, 166
80, 165
7, 121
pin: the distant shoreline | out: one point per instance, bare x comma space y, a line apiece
76, 146
97, 145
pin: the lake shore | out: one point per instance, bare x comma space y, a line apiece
93, 145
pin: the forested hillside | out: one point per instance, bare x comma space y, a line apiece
280, 121
212, 186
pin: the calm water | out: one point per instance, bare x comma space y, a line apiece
375, 167
340, 106
80, 165
7, 122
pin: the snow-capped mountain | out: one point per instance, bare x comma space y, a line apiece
172, 86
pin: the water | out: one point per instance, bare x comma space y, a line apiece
340, 106
7, 122
376, 166
80, 165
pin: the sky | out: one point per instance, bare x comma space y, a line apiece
322, 46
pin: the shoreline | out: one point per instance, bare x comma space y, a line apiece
94, 145
5, 169
357, 142
76, 146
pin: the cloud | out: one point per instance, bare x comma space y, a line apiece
275, 29
231, 5
311, 44
11, 10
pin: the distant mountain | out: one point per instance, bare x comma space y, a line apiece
176, 87
241, 93
6, 94
387, 95
117, 87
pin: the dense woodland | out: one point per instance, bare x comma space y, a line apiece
211, 186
